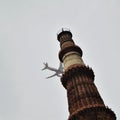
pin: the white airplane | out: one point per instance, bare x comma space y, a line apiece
58, 71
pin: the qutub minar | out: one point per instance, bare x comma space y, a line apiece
84, 100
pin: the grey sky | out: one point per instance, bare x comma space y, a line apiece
28, 30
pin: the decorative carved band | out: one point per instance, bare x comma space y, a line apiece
66, 40
76, 71
69, 49
108, 113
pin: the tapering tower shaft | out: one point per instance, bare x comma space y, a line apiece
84, 100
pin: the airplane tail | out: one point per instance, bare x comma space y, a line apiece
46, 66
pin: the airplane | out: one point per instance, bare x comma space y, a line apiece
58, 71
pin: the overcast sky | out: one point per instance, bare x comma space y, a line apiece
28, 37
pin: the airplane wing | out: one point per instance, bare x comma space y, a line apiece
52, 75
49, 68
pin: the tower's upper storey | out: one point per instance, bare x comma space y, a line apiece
70, 54
65, 38
64, 34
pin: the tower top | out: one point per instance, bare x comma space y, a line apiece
63, 31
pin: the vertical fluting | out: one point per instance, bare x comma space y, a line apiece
84, 100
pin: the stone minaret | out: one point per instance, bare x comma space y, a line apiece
84, 100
